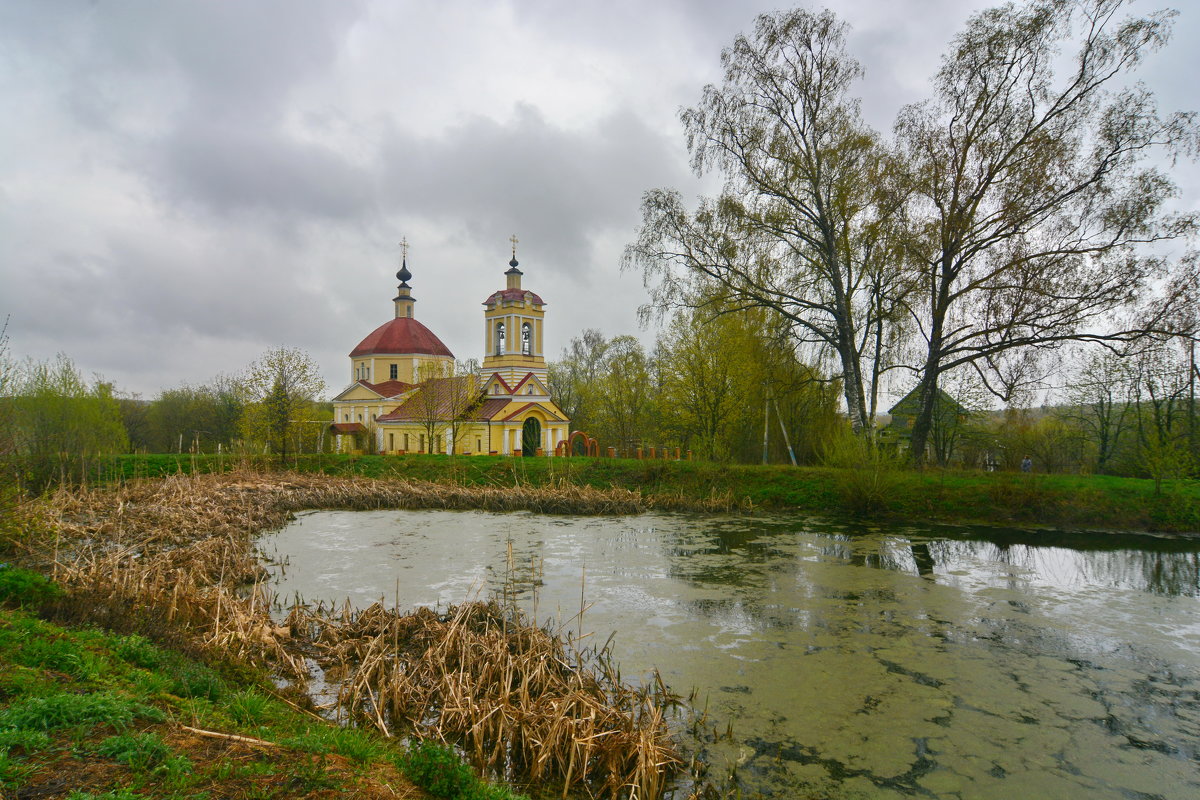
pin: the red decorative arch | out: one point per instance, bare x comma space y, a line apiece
582, 437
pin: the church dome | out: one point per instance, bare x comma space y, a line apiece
401, 336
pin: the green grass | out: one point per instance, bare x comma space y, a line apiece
1086, 501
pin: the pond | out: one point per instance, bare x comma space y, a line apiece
847, 660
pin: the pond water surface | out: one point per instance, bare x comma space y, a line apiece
855, 661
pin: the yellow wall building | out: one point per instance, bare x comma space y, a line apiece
406, 395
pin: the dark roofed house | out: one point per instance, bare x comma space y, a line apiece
948, 418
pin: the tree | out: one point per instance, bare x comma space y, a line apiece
573, 377
464, 395
59, 422
1031, 196
625, 394
701, 379
1162, 393
1100, 403
432, 401
280, 390
805, 223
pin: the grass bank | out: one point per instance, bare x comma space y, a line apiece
1069, 501
88, 714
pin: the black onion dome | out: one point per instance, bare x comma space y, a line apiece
513, 270
403, 275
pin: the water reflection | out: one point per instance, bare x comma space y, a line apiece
932, 662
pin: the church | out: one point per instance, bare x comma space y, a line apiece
408, 394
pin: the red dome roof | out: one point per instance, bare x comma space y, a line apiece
401, 336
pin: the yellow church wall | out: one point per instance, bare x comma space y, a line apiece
472, 438
409, 368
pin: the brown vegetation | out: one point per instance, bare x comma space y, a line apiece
176, 557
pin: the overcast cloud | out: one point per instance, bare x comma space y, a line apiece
185, 184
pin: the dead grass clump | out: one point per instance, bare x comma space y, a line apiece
515, 697
177, 555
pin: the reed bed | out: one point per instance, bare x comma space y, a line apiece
518, 699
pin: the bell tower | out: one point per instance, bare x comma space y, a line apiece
513, 320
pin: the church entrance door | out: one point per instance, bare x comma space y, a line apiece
531, 437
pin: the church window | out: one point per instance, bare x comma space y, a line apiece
394, 371
478, 444
526, 339
360, 417
422, 443
345, 417
499, 338
406, 442
391, 441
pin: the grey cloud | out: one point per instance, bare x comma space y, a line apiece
229, 59
556, 186
229, 169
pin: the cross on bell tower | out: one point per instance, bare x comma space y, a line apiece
404, 299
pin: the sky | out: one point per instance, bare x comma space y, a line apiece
185, 185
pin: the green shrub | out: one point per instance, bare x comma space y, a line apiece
139, 751
138, 651
56, 653
22, 587
12, 770
62, 710
248, 707
439, 771
197, 680
867, 477
26, 740
118, 794
353, 743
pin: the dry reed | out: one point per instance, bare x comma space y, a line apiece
516, 698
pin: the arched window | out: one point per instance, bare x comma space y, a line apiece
499, 338
526, 339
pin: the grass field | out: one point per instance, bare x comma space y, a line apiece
1072, 501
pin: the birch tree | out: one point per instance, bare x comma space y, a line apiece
1033, 194
280, 391
803, 224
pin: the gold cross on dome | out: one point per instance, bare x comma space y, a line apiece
404, 248
514, 241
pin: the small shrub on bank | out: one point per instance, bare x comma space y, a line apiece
867, 476
197, 680
12, 771
25, 740
21, 587
119, 794
248, 707
58, 654
62, 710
138, 651
353, 743
139, 751
439, 771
